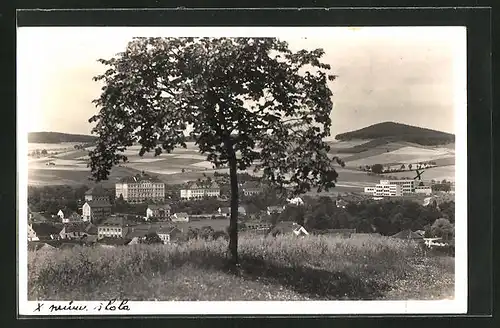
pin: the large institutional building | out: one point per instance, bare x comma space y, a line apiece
199, 191
395, 188
139, 188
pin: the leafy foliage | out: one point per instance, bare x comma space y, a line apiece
233, 95
244, 101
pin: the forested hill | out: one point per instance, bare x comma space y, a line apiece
58, 137
399, 132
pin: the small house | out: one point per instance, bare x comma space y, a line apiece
68, 216
98, 193
180, 217
96, 210
289, 228
251, 188
114, 226
408, 235
297, 201
73, 230
226, 211
168, 234
42, 231
275, 209
159, 212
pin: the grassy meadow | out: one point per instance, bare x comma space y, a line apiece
283, 268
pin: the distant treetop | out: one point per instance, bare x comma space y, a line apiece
58, 137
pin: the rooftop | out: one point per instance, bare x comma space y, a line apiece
99, 203
159, 207
115, 221
140, 177
97, 191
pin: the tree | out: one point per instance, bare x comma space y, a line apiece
442, 228
152, 238
232, 96
403, 167
377, 168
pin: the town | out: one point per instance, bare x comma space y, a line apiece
144, 209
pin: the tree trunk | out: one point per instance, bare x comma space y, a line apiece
233, 221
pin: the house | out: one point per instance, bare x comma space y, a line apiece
226, 211
114, 226
159, 212
256, 226
275, 209
68, 216
168, 234
408, 235
251, 188
139, 188
297, 201
98, 193
180, 217
289, 228
42, 231
96, 210
73, 230
200, 190
340, 203
35, 217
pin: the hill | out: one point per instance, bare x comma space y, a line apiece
58, 137
394, 132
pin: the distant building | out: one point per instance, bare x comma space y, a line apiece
98, 193
68, 216
408, 235
96, 210
159, 212
140, 188
168, 234
200, 190
295, 201
289, 228
114, 226
251, 188
427, 190
275, 209
180, 217
226, 211
340, 203
407, 185
73, 230
42, 231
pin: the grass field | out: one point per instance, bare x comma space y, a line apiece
71, 165
284, 268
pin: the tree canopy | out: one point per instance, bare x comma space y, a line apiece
244, 101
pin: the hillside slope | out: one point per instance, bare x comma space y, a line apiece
58, 137
394, 132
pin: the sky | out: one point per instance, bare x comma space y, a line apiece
411, 75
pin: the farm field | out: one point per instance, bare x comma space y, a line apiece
71, 166
435, 173
283, 268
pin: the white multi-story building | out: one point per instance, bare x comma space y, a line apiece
389, 190
139, 188
198, 191
423, 190
407, 186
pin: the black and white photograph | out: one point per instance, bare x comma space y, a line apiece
242, 170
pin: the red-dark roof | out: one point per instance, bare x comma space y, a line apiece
45, 229
97, 191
